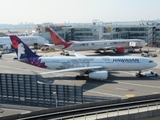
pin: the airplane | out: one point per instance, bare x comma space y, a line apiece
94, 67
6, 43
9, 31
117, 46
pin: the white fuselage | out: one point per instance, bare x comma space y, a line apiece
124, 63
28, 40
102, 44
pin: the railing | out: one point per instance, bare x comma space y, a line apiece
97, 110
115, 112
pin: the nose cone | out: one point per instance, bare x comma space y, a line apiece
154, 64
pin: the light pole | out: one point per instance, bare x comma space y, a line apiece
54, 93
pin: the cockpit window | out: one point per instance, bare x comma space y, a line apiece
150, 61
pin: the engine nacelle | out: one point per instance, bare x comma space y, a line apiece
99, 75
120, 49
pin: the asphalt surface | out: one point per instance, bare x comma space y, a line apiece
118, 84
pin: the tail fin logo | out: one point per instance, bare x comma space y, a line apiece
19, 46
22, 50
15, 44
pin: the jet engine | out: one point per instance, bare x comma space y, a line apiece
99, 75
119, 49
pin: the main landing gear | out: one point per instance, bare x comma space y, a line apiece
97, 51
78, 77
81, 76
139, 74
140, 49
64, 53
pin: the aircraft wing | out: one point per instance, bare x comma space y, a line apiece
73, 69
78, 54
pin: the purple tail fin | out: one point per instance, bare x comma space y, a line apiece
22, 50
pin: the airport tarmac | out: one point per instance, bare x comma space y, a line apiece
119, 83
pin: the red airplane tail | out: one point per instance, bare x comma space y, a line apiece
56, 38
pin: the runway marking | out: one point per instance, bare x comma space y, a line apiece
139, 85
128, 73
70, 75
122, 89
105, 93
156, 92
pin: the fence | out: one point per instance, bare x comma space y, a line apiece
25, 89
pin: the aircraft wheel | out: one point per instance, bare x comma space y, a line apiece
97, 51
79, 77
137, 74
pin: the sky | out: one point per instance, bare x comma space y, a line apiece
77, 11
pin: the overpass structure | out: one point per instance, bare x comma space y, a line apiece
136, 108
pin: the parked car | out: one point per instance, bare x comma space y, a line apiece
145, 54
148, 54
153, 55
149, 73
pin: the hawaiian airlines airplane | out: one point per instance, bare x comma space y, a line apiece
6, 43
94, 67
118, 46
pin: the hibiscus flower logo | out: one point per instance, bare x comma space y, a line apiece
37, 62
15, 43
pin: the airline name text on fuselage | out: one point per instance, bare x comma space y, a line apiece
127, 60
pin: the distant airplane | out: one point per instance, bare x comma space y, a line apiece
94, 67
11, 31
117, 46
6, 43
30, 32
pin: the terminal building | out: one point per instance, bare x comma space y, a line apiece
149, 31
